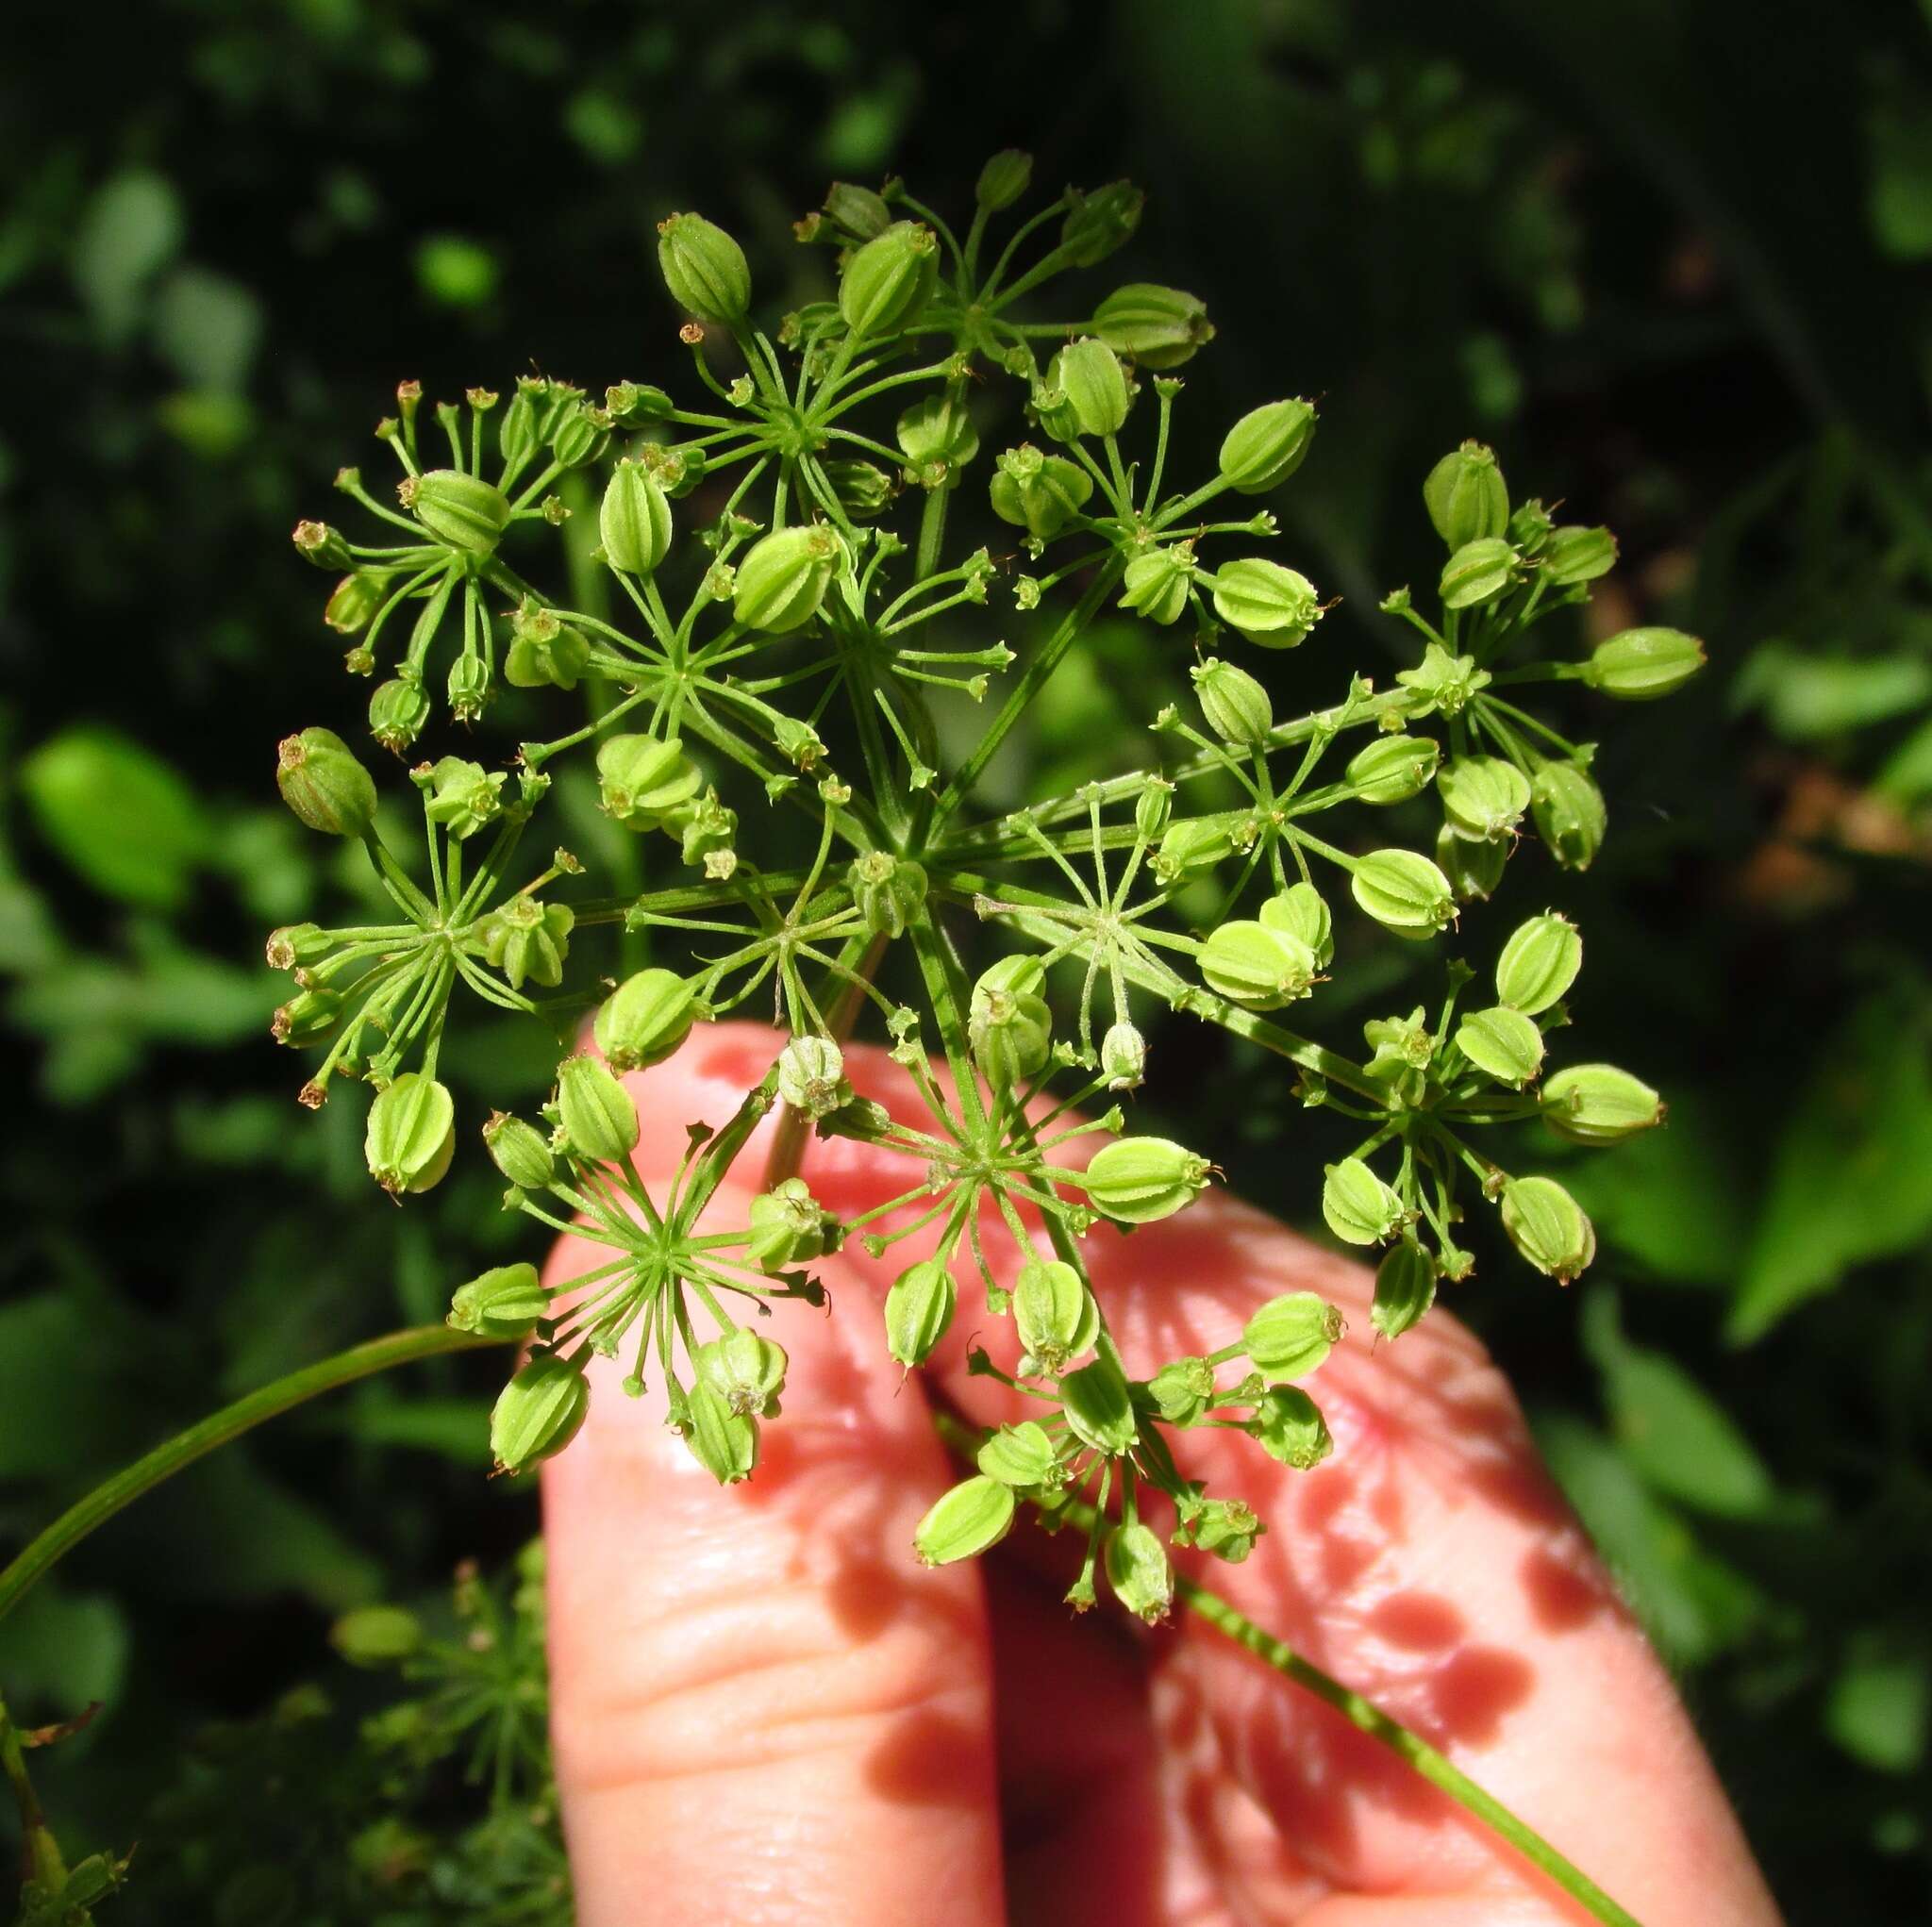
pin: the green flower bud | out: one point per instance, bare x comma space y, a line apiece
1158, 327
307, 1018
1478, 572
1466, 497
704, 270
862, 487
1597, 1103
1483, 797
889, 279
856, 212
1578, 555
811, 1077
1299, 912
937, 431
1122, 1057
787, 1227
412, 1134
1547, 1225
1358, 1207
798, 743
1267, 445
645, 1019
889, 890
1258, 968
1289, 1428
676, 471
1195, 843
973, 1517
1503, 1043
919, 1308
1531, 526
1099, 1407
323, 783
398, 712
468, 688
580, 434
745, 1371
1401, 1045
1570, 813
1183, 1391
1154, 584
516, 431
1405, 1288
1474, 869
527, 941
1641, 664
1019, 1456
377, 1635
784, 576
1152, 807
1269, 605
725, 1442
542, 651
1539, 963
461, 797
1139, 1180
1101, 222
1138, 1571
537, 1412
1403, 893
642, 781
1290, 1336
462, 511
354, 600
1236, 705
519, 1151
1004, 179
297, 945
597, 1114
1392, 769
1225, 1527
1008, 1023
1041, 493
1095, 384
1054, 1313
705, 831
1444, 682
634, 521
500, 1304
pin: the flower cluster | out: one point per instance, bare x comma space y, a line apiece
763, 611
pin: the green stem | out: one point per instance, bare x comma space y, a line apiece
165, 1460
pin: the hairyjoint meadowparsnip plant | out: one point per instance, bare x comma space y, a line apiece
762, 602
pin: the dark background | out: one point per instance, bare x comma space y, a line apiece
1668, 255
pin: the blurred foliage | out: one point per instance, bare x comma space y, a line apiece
1671, 258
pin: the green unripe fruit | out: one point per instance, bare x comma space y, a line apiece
516, 430
1503, 1043
1299, 912
1483, 797
377, 1635
1466, 496
704, 270
1267, 445
889, 279
856, 212
1598, 1103
538, 1413
1292, 1335
747, 1371
1273, 606
412, 1134
527, 941
862, 487
500, 1304
321, 546
1225, 1527
398, 712
787, 1227
323, 783
307, 1018
1122, 1057
725, 1442
1403, 893
1100, 1408
1183, 1391
1405, 1288
354, 600
1054, 1313
973, 1516
1289, 1426
1358, 1206
1478, 572
645, 1019
1139, 1180
296, 945
1236, 705
1041, 493
889, 890
1138, 1571
1008, 1023
1570, 813
462, 511
1158, 327
1100, 223
1255, 967
634, 520
1154, 584
1004, 179
1095, 384
462, 797
919, 1308
784, 578
519, 1151
1547, 1225
597, 1114
544, 651
1152, 807
1539, 963
468, 688
1642, 664
1474, 869
642, 781
937, 434
1392, 769
1578, 555
1019, 1456
811, 1077
1195, 843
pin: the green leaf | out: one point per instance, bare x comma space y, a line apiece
1809, 696
207, 328
64, 1651
120, 816
131, 231
1877, 1708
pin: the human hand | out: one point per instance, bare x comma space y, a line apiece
766, 1712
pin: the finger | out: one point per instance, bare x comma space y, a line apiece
764, 1710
